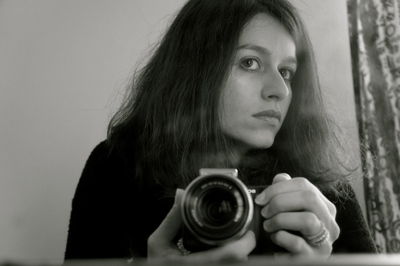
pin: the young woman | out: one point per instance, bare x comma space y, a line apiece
233, 84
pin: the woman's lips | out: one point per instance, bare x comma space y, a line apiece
268, 115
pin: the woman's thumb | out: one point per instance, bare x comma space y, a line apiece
172, 222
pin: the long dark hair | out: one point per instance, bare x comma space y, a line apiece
169, 125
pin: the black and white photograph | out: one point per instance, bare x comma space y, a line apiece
210, 132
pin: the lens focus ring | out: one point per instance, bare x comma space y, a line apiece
217, 208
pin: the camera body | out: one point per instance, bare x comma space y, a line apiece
217, 207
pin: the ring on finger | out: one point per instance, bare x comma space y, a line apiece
182, 248
320, 237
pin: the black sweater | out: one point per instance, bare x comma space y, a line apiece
112, 216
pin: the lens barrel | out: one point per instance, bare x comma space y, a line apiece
217, 208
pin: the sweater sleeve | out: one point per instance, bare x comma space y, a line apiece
99, 222
354, 235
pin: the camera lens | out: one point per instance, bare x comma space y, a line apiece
217, 208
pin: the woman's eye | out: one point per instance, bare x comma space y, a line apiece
287, 74
250, 64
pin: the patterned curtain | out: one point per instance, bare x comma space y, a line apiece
375, 47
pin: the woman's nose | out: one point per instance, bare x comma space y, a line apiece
275, 87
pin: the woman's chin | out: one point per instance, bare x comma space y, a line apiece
258, 143
246, 142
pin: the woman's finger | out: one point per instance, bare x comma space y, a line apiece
292, 243
307, 223
237, 250
281, 177
296, 201
298, 245
302, 201
172, 222
159, 243
292, 185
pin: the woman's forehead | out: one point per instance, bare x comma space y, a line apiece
266, 34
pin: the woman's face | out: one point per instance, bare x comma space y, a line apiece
257, 94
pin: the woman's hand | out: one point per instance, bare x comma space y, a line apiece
160, 244
297, 205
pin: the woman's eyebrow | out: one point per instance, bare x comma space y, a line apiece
265, 51
254, 47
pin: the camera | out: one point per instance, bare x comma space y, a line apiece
217, 207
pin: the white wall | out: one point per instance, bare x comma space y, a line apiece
63, 68
328, 27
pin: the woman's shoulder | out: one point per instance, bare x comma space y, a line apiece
105, 154
344, 198
104, 150
100, 152
100, 159
106, 167
106, 196
355, 236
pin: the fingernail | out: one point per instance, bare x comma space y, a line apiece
284, 176
259, 199
179, 191
266, 225
178, 195
280, 177
264, 212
